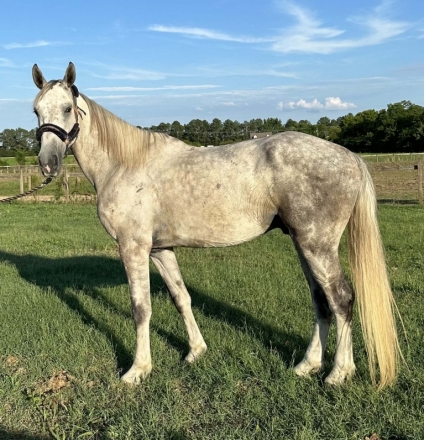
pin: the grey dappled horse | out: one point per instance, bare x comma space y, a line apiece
155, 193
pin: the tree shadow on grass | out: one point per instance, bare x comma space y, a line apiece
90, 273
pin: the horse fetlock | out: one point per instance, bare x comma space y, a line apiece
306, 368
196, 352
136, 374
338, 376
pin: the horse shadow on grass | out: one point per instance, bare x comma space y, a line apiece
90, 273
9, 435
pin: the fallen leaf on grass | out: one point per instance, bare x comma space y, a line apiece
59, 380
373, 437
11, 361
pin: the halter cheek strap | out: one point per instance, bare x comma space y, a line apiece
63, 135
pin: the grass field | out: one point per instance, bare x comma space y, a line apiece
31, 160
67, 335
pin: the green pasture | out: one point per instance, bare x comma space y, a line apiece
67, 335
30, 160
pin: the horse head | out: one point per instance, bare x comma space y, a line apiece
57, 112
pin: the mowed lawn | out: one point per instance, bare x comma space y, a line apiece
66, 336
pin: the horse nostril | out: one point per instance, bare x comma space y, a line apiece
49, 166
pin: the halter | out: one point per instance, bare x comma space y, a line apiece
63, 135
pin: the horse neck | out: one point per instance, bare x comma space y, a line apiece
91, 157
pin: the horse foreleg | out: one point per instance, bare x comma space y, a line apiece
167, 266
136, 261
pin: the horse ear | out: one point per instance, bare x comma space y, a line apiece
38, 77
70, 75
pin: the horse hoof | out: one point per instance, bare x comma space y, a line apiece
195, 353
135, 374
339, 377
305, 369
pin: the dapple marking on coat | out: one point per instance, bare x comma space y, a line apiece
156, 193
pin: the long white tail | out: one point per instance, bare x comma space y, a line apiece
374, 296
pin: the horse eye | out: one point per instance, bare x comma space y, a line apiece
68, 110
36, 113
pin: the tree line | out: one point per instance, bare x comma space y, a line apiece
399, 128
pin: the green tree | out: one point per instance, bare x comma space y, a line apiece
215, 130
325, 121
255, 125
19, 139
291, 125
306, 127
401, 127
20, 157
197, 132
229, 129
273, 125
176, 130
357, 132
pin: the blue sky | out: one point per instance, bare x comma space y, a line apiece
161, 61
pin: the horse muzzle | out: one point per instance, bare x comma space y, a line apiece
51, 155
51, 162
50, 166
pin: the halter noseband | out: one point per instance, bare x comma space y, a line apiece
63, 135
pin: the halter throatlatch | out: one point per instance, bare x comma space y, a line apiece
63, 135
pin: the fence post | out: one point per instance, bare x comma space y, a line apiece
66, 184
420, 182
21, 181
29, 182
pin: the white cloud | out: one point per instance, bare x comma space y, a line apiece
331, 103
228, 104
309, 35
335, 103
207, 34
4, 62
245, 71
39, 43
134, 74
149, 89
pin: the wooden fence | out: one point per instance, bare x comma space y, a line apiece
395, 181
71, 185
400, 182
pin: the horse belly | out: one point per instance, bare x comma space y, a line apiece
200, 230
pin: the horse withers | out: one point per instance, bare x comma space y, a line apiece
156, 193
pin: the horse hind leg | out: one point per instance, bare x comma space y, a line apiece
314, 356
332, 296
167, 265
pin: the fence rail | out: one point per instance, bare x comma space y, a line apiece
70, 185
395, 181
